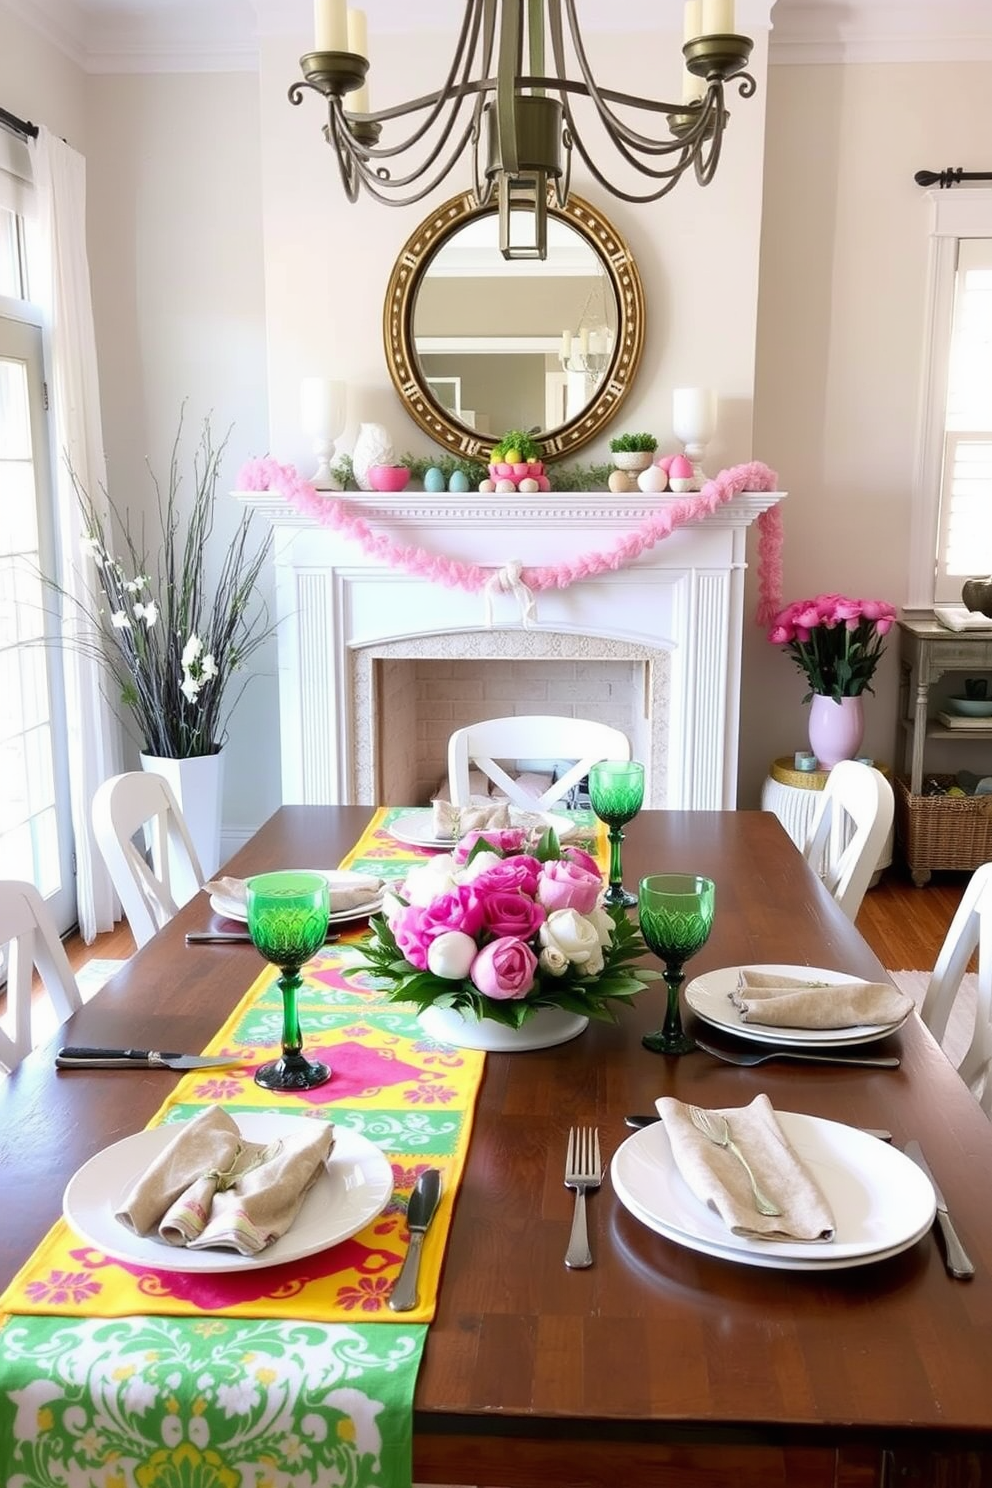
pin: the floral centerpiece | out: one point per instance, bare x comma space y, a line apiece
171, 639
505, 925
836, 642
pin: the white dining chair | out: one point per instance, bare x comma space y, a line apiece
579, 740
848, 829
970, 1049
147, 848
29, 943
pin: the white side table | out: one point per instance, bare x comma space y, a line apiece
791, 794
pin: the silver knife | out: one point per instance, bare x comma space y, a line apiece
140, 1059
419, 1213
956, 1258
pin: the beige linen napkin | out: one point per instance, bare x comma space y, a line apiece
454, 821
791, 1002
347, 890
718, 1178
210, 1188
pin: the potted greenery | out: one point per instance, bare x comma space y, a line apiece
517, 458
633, 451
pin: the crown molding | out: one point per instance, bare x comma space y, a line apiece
880, 31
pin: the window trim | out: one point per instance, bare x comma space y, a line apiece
955, 213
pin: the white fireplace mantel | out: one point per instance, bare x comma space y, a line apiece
679, 605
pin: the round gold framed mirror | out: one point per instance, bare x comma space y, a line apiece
477, 345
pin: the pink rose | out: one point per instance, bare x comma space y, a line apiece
501, 839
510, 875
565, 885
581, 859
512, 914
416, 926
410, 940
504, 969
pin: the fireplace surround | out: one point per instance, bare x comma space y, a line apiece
377, 666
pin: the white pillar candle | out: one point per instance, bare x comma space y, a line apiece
718, 17
566, 344
693, 20
330, 26
584, 341
694, 414
322, 407
358, 38
693, 86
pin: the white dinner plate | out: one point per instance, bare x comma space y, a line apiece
234, 909
355, 1187
416, 827
709, 997
881, 1202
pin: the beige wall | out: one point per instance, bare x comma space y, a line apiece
843, 275
227, 266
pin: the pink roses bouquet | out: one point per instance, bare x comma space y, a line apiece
836, 641
502, 926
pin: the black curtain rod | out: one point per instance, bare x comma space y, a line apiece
19, 126
950, 177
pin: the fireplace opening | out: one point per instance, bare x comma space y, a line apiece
406, 706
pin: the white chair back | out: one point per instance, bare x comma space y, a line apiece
850, 824
969, 930
142, 802
30, 942
539, 737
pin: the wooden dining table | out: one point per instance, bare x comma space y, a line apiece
658, 1365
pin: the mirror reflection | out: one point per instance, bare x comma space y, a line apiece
520, 344
476, 344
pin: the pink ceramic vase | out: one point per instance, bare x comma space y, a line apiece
836, 728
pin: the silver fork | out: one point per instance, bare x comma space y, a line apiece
717, 1128
583, 1171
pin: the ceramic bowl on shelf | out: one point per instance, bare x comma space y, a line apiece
971, 707
388, 477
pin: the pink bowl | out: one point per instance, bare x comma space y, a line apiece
388, 477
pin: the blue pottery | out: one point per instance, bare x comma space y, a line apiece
433, 479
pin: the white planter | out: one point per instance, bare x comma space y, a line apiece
633, 459
198, 786
543, 1029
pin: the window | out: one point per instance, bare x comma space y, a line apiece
952, 518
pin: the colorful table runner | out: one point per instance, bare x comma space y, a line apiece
114, 1374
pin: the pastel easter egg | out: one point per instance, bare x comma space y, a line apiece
680, 468
487, 486
652, 479
680, 483
543, 483
433, 479
505, 486
620, 482
665, 463
458, 481
528, 485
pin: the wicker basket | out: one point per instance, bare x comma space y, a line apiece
942, 831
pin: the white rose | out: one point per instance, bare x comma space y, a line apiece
391, 906
553, 961
429, 880
479, 864
604, 927
451, 954
576, 937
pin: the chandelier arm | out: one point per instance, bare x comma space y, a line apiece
377, 181
334, 129
672, 178
706, 161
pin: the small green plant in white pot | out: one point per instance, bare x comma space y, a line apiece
633, 451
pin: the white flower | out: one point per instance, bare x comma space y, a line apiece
429, 880
93, 547
191, 651
147, 612
451, 954
120, 620
481, 863
553, 961
576, 937
209, 668
135, 586
600, 920
190, 687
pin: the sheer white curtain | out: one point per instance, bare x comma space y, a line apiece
60, 284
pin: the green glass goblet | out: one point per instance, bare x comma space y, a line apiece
616, 794
676, 916
287, 921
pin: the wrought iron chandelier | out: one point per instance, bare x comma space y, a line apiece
519, 121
